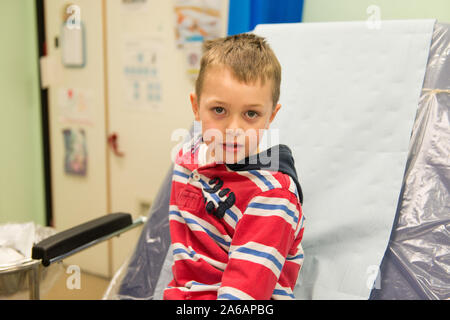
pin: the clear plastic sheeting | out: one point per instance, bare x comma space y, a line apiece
417, 262
16, 242
137, 278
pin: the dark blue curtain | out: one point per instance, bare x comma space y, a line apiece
246, 14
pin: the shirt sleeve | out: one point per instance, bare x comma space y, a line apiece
269, 231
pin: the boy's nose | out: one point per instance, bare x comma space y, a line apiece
234, 124
234, 129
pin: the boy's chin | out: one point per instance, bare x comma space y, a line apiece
230, 157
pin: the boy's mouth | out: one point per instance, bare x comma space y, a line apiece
232, 147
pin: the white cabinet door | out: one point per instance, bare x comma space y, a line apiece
77, 199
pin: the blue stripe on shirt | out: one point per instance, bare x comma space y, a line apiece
261, 177
181, 174
228, 296
267, 206
283, 293
261, 254
180, 250
192, 221
300, 256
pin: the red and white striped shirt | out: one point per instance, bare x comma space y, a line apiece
235, 234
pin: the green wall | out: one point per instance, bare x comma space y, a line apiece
21, 161
348, 10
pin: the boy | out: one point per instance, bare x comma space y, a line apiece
235, 222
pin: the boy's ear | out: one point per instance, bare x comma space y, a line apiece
274, 113
195, 106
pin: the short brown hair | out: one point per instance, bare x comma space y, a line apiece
249, 57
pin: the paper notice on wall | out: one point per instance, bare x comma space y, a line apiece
196, 21
75, 106
142, 62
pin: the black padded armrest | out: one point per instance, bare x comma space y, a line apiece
71, 239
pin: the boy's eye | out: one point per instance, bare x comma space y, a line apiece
252, 114
218, 110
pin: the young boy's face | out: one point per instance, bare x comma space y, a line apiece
233, 114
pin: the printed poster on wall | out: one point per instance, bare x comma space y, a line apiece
142, 61
76, 157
